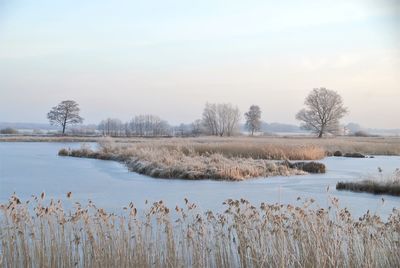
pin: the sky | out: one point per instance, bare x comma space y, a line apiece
124, 58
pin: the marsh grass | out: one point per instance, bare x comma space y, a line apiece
189, 160
377, 185
44, 234
261, 147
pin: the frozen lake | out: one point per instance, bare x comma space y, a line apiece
31, 168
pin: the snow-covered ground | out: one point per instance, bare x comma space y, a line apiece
31, 168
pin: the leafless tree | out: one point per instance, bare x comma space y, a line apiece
149, 125
324, 110
112, 127
210, 118
253, 119
65, 113
197, 127
221, 119
232, 119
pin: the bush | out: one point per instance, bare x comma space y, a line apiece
8, 131
354, 155
338, 153
310, 167
63, 152
361, 133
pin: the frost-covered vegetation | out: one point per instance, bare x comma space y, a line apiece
45, 234
196, 160
363, 145
377, 185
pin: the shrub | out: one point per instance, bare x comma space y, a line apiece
361, 133
337, 153
310, 167
8, 131
354, 155
63, 152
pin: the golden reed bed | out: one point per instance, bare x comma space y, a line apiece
193, 160
364, 145
44, 234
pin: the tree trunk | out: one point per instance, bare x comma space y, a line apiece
65, 122
321, 131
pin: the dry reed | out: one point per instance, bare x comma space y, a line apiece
187, 160
377, 185
43, 234
292, 147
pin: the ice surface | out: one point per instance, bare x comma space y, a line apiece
31, 168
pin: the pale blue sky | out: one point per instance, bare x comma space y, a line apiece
122, 58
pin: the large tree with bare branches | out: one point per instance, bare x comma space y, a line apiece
324, 110
221, 119
65, 113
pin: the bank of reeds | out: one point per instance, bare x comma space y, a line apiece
262, 147
376, 185
363, 145
44, 234
197, 161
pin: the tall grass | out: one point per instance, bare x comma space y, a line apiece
363, 145
377, 185
260, 150
43, 234
299, 148
189, 160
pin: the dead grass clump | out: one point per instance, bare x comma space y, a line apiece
44, 234
337, 153
378, 185
63, 152
354, 155
310, 167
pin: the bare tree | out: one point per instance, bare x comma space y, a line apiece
65, 113
149, 125
232, 119
221, 119
324, 110
253, 119
112, 127
210, 118
197, 127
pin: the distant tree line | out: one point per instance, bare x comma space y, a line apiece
324, 109
8, 131
141, 125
